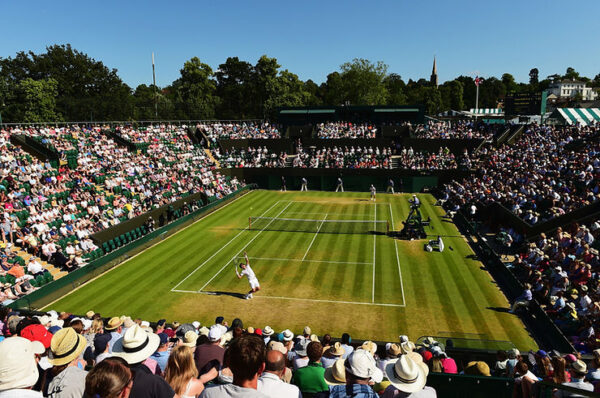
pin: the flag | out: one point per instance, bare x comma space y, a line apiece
478, 80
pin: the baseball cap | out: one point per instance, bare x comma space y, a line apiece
164, 338
277, 346
37, 333
18, 368
361, 364
100, 343
307, 330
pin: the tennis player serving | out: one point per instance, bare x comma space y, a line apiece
247, 271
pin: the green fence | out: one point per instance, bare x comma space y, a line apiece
71, 281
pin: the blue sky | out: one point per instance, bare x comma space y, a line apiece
312, 38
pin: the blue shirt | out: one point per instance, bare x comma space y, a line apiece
161, 357
355, 390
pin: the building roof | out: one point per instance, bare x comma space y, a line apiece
583, 116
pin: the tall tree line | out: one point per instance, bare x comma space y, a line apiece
63, 84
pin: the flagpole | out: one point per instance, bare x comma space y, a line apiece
155, 92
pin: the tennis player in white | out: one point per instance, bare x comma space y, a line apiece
247, 271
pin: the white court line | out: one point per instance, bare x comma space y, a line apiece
304, 261
338, 203
218, 251
242, 249
397, 256
303, 299
374, 246
314, 237
331, 214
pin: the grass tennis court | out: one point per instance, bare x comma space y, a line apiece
332, 272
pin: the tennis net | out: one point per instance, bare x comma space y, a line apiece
324, 226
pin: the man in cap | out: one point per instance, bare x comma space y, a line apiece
211, 351
310, 379
135, 347
115, 328
161, 356
361, 370
301, 356
270, 382
246, 360
18, 367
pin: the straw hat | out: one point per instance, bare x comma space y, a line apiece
90, 314
405, 374
369, 346
288, 335
190, 338
336, 349
203, 331
66, 346
277, 346
314, 337
113, 323
477, 368
136, 345
335, 375
268, 331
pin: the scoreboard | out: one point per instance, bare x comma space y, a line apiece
516, 104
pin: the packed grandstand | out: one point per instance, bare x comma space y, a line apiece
101, 176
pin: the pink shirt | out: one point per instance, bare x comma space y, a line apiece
449, 365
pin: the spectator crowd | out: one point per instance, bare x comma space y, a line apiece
61, 355
52, 211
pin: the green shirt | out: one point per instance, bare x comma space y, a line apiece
311, 378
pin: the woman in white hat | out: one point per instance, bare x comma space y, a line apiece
68, 376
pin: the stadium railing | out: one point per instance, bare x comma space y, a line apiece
56, 289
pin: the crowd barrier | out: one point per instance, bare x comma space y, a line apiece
58, 288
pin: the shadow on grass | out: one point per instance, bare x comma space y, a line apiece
222, 293
498, 309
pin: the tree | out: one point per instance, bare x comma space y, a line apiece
571, 74
334, 89
263, 82
234, 79
363, 82
395, 88
315, 93
37, 101
452, 95
510, 85
194, 91
286, 90
534, 77
433, 100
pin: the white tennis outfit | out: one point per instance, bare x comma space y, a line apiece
251, 277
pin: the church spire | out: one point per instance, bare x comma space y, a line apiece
434, 77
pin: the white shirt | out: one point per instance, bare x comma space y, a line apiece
248, 272
34, 267
272, 386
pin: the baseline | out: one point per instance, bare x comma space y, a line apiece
302, 299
